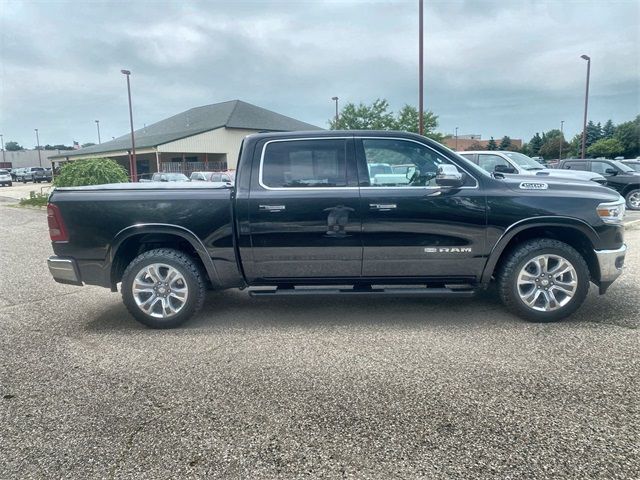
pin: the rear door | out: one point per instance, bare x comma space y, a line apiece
411, 227
304, 216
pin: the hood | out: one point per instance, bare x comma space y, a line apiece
575, 174
531, 184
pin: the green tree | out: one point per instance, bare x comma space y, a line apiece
606, 147
94, 171
407, 120
551, 148
13, 146
594, 133
608, 130
628, 134
535, 144
492, 145
505, 143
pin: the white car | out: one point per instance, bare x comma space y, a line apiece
507, 162
5, 178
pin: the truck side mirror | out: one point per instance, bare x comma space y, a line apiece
449, 176
611, 171
504, 169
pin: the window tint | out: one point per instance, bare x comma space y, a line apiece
399, 163
305, 163
489, 162
225, 178
600, 167
215, 177
468, 156
575, 166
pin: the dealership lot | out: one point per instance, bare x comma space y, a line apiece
319, 387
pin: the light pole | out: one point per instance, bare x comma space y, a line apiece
335, 99
38, 144
586, 104
2, 140
456, 139
132, 158
98, 127
420, 70
561, 139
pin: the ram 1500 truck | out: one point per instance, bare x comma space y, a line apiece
309, 215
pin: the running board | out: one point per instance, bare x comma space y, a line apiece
427, 292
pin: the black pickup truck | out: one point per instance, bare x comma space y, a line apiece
341, 212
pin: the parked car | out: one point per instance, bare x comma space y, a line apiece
169, 177
514, 163
304, 218
620, 176
635, 164
5, 178
48, 174
33, 174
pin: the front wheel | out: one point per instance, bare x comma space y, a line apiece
163, 288
633, 199
543, 280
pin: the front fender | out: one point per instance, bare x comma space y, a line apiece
528, 223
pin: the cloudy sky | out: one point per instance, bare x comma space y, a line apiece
493, 68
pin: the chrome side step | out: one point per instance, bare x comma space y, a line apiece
464, 291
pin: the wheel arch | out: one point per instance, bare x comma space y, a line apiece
574, 232
136, 239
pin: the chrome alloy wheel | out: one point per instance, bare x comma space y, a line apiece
160, 290
634, 200
547, 283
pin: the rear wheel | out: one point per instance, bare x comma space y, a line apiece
163, 288
543, 280
633, 199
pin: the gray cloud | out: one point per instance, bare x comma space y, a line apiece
493, 68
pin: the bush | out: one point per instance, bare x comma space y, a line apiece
35, 200
95, 171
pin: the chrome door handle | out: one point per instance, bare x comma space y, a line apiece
383, 207
272, 208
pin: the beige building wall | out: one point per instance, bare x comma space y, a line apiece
221, 140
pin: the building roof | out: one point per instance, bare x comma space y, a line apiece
232, 114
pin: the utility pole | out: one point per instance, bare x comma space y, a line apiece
335, 99
456, 139
98, 126
2, 140
38, 144
132, 159
586, 104
561, 139
421, 70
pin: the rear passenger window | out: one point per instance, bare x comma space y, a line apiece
305, 163
575, 166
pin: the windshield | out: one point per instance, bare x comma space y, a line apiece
525, 162
622, 166
4, 172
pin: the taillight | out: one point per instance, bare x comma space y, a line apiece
57, 231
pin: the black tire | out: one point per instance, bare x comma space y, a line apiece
632, 199
520, 256
189, 270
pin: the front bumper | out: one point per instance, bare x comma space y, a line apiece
611, 264
64, 270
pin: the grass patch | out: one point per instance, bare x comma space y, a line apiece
35, 200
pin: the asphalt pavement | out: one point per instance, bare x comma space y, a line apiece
331, 387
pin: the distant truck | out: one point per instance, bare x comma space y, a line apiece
305, 217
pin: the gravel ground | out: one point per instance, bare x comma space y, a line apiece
309, 387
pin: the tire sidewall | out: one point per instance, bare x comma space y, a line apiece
635, 190
582, 272
194, 286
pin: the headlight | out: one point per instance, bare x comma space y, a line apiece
611, 212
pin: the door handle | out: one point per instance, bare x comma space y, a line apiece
272, 208
383, 207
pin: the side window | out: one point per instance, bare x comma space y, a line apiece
305, 163
400, 163
215, 177
490, 162
468, 156
225, 178
601, 167
575, 166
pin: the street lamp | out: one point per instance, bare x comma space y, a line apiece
98, 126
561, 139
420, 69
2, 140
38, 144
335, 99
586, 104
132, 158
456, 139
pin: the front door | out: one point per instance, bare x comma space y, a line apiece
411, 227
304, 211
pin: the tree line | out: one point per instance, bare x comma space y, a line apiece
12, 146
608, 140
